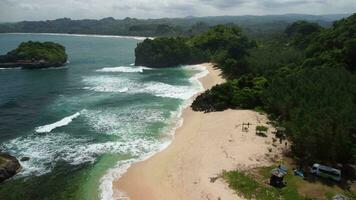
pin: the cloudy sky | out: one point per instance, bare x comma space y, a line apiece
17, 10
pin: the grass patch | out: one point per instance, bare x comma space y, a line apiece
254, 185
261, 131
250, 187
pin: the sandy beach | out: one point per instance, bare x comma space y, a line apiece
204, 146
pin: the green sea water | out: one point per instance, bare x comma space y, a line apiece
82, 125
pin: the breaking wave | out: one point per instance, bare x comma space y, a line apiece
124, 69
63, 122
108, 83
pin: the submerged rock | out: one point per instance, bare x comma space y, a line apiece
25, 159
9, 166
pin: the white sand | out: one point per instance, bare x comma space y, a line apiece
203, 147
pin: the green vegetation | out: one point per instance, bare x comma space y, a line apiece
163, 52
35, 55
302, 77
244, 92
251, 187
261, 131
254, 185
302, 32
261, 128
318, 108
253, 25
226, 45
304, 80
47, 51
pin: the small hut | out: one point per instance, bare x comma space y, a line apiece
277, 176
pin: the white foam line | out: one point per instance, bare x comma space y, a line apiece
124, 69
9, 68
84, 35
63, 122
106, 182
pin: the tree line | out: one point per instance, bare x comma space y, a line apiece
302, 77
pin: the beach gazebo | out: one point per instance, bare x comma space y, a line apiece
277, 176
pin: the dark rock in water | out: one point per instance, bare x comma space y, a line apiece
25, 159
35, 55
9, 166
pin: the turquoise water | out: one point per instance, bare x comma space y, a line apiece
82, 125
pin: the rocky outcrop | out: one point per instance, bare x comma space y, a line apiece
35, 55
9, 166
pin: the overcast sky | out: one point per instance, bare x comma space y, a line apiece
18, 10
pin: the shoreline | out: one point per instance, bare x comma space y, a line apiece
106, 191
197, 154
84, 35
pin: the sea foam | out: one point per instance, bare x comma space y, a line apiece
124, 69
165, 90
120, 84
63, 122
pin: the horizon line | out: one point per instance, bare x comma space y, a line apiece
185, 17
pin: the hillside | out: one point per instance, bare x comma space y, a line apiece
303, 79
253, 25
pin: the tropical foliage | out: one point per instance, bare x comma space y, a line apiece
253, 25
35, 51
305, 80
163, 52
225, 45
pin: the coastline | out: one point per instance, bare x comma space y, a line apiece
85, 35
204, 146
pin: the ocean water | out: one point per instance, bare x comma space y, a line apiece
82, 125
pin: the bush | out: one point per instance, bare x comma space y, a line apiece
244, 92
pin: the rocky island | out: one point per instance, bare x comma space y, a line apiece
9, 166
35, 55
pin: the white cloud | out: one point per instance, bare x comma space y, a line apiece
16, 10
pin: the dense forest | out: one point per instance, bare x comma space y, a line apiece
252, 25
303, 78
